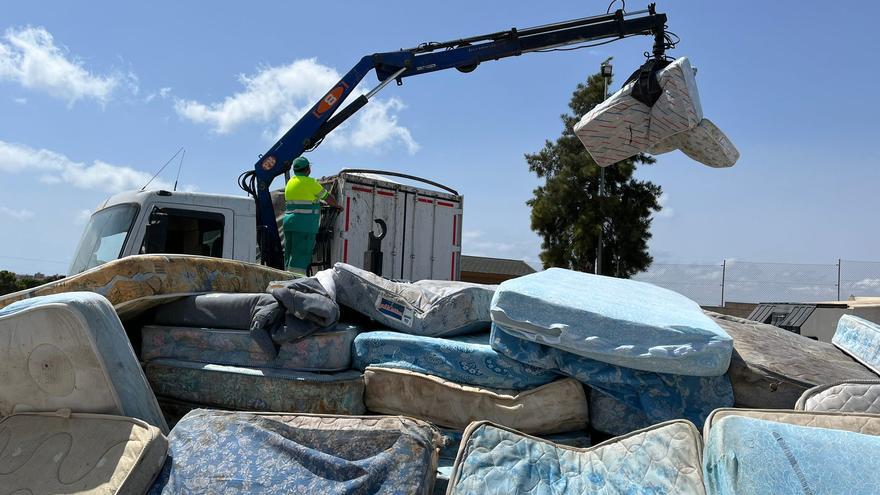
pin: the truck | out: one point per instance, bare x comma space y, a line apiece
393, 229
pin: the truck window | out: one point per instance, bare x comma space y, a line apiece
104, 237
178, 231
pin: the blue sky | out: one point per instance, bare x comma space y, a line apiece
96, 97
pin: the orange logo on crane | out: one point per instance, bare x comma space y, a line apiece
330, 100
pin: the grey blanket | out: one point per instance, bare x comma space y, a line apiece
301, 308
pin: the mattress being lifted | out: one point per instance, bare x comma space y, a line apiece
622, 126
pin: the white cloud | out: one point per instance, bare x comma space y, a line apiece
163, 93
55, 168
20, 101
30, 57
16, 214
279, 96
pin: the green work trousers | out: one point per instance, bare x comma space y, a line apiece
301, 224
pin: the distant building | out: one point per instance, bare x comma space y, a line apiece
484, 270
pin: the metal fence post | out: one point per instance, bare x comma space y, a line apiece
838, 278
723, 274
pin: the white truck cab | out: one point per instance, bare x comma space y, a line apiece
147, 222
396, 230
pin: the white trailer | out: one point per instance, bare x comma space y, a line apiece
422, 226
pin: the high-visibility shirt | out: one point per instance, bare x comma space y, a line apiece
304, 188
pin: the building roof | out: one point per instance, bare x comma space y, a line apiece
501, 266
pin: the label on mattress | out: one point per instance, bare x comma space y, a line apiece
394, 309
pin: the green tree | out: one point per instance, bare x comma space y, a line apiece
8, 282
567, 211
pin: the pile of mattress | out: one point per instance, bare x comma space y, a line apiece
76, 412
641, 349
199, 352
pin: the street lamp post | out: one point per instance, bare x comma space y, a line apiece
607, 71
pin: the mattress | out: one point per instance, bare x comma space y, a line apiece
614, 417
857, 396
466, 359
328, 350
868, 424
746, 455
704, 143
432, 308
78, 453
556, 407
621, 126
493, 459
860, 339
215, 310
136, 283
234, 452
658, 396
772, 367
257, 389
616, 321
70, 351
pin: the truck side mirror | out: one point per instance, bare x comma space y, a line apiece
155, 233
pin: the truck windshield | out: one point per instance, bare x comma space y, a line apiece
104, 237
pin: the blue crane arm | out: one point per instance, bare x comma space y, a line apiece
463, 54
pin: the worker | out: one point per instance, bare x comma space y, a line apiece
302, 218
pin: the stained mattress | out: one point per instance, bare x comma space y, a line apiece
745, 455
616, 321
431, 308
233, 452
70, 351
556, 407
136, 283
772, 367
326, 351
257, 389
658, 396
857, 396
78, 453
860, 339
466, 359
494, 459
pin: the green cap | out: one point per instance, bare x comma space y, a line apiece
301, 163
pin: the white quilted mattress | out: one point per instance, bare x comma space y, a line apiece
78, 453
70, 351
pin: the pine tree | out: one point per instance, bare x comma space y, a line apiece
567, 211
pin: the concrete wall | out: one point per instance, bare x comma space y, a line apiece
823, 322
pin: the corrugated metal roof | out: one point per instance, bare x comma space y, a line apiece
789, 316
501, 266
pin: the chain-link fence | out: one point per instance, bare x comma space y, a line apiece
753, 282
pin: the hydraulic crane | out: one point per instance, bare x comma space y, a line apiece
462, 54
